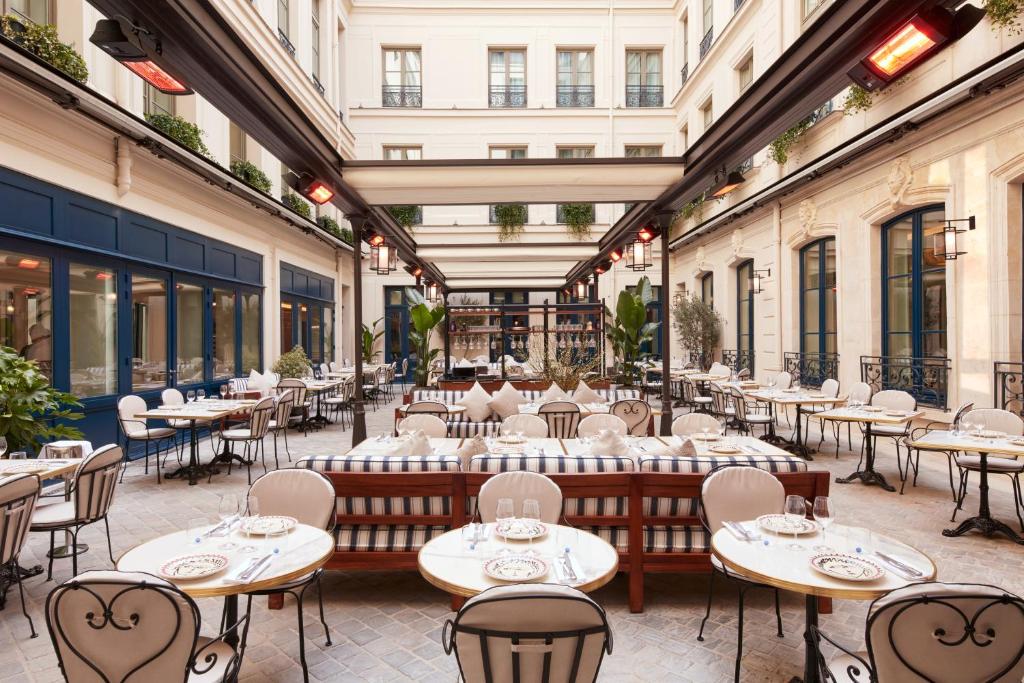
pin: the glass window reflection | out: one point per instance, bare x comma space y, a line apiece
149, 333
93, 325
25, 317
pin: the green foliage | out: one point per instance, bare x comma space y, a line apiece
694, 209
184, 132
251, 174
857, 100
698, 326
778, 150
30, 407
406, 215
293, 364
1005, 14
424, 320
331, 226
511, 218
368, 339
627, 329
578, 219
42, 41
296, 204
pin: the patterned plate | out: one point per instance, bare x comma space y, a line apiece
194, 566
781, 524
25, 468
846, 567
509, 439
1017, 442
725, 449
270, 524
521, 529
790, 391
516, 568
991, 434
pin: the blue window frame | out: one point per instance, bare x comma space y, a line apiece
397, 326
307, 313
707, 289
745, 309
914, 285
818, 297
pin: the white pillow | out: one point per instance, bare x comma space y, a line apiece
464, 364
554, 393
269, 379
476, 400
256, 381
585, 394
506, 401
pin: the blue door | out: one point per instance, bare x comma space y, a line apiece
396, 330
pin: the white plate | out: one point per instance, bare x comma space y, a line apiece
872, 409
895, 413
780, 524
271, 524
846, 567
991, 434
193, 566
1017, 442
27, 467
516, 568
702, 437
509, 439
521, 529
726, 449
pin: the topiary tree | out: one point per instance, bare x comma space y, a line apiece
293, 364
699, 328
251, 174
296, 204
184, 132
42, 41
31, 410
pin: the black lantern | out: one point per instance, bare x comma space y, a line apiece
945, 244
638, 252
757, 279
582, 290
433, 292
383, 258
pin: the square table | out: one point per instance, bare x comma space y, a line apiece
867, 418
785, 398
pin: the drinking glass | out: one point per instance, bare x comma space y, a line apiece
3, 446
796, 384
200, 394
252, 516
190, 395
19, 455
226, 509
796, 509
824, 514
504, 512
194, 530
223, 391
531, 512
721, 429
568, 540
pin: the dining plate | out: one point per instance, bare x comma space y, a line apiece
509, 439
193, 566
818, 395
790, 391
872, 409
516, 568
521, 529
701, 436
271, 524
846, 567
783, 525
726, 449
895, 413
1017, 442
990, 434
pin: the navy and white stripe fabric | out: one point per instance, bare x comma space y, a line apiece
367, 537
658, 539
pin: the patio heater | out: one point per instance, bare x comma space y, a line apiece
136, 50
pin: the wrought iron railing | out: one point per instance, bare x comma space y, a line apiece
287, 44
1009, 386
507, 96
747, 165
926, 379
317, 84
736, 5
574, 96
684, 73
402, 96
811, 369
706, 41
737, 359
493, 213
821, 112
645, 96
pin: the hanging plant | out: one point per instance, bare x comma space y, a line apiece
857, 100
693, 209
578, 219
406, 215
296, 204
1005, 14
42, 41
251, 174
778, 150
510, 219
331, 226
184, 132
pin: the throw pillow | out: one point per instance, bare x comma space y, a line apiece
554, 393
256, 381
585, 394
476, 400
506, 401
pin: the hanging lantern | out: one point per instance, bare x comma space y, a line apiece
582, 290
433, 292
383, 258
946, 244
638, 255
757, 279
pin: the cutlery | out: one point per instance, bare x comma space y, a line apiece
569, 574
244, 569
896, 564
257, 568
577, 570
222, 526
737, 530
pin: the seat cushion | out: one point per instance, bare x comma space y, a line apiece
889, 430
58, 514
658, 539
973, 462
366, 537
223, 654
236, 434
150, 434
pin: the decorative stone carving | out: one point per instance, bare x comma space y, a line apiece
701, 256
901, 176
737, 242
808, 213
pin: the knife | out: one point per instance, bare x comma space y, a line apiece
567, 571
226, 523
916, 573
263, 563
738, 529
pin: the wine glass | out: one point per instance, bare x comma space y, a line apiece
223, 391
824, 513
190, 396
252, 516
19, 455
200, 394
226, 510
3, 446
504, 513
720, 432
531, 512
194, 530
796, 510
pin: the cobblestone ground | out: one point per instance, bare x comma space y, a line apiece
386, 625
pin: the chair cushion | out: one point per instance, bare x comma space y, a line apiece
889, 430
236, 434
58, 514
223, 653
973, 462
366, 537
150, 434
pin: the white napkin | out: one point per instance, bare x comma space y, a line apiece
416, 443
684, 449
609, 443
474, 446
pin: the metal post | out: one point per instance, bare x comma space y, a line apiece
546, 335
448, 322
358, 413
665, 223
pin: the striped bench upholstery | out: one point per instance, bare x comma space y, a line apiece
368, 537
658, 539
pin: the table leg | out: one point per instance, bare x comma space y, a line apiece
771, 436
868, 475
70, 548
796, 445
810, 643
983, 522
194, 470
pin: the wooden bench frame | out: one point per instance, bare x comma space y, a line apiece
460, 486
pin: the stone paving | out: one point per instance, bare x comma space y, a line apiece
386, 625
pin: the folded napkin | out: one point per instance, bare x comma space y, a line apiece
609, 443
471, 447
416, 443
684, 449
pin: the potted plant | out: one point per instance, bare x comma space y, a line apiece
578, 218
42, 41
628, 329
699, 327
424, 320
31, 410
293, 364
368, 340
510, 219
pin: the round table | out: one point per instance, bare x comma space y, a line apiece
778, 566
446, 562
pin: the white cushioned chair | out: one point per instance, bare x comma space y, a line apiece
893, 399
283, 417
531, 426
135, 429
592, 425
563, 418
694, 423
18, 496
997, 420
252, 434
520, 486
431, 425
859, 392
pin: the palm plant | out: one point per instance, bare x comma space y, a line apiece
32, 412
369, 340
628, 329
424, 320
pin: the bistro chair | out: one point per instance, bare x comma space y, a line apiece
720, 370
309, 497
529, 633
91, 493
174, 397
919, 432
745, 417
435, 408
133, 626
429, 424
372, 386
283, 417
635, 412
737, 493
520, 485
721, 405
693, 399
592, 425
830, 388
651, 382
893, 399
301, 404
933, 631
998, 420
18, 496
405, 373
694, 423
861, 392
563, 417
135, 429
252, 435
743, 374
341, 401
531, 426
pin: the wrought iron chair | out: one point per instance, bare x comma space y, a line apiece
301, 403
861, 392
309, 497
563, 418
120, 626
135, 429
736, 493
935, 632
830, 388
893, 399
652, 382
693, 399
1001, 421
529, 633
282, 419
747, 418
635, 412
430, 425
252, 435
918, 432
531, 426
91, 493
341, 401
722, 406
18, 496
592, 425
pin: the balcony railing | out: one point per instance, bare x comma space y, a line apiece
1009, 386
502, 96
645, 96
402, 96
574, 96
926, 379
684, 73
493, 213
821, 112
317, 84
738, 359
811, 369
706, 41
287, 44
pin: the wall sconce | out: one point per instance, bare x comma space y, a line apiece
945, 244
757, 279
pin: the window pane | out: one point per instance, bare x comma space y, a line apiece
830, 263
811, 311
830, 310
830, 343
251, 305
315, 334
287, 327
93, 320
412, 68
25, 322
933, 300
934, 344
899, 305
37, 11
900, 247
223, 333
932, 224
149, 333
328, 334
304, 327
189, 333
900, 345
812, 266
